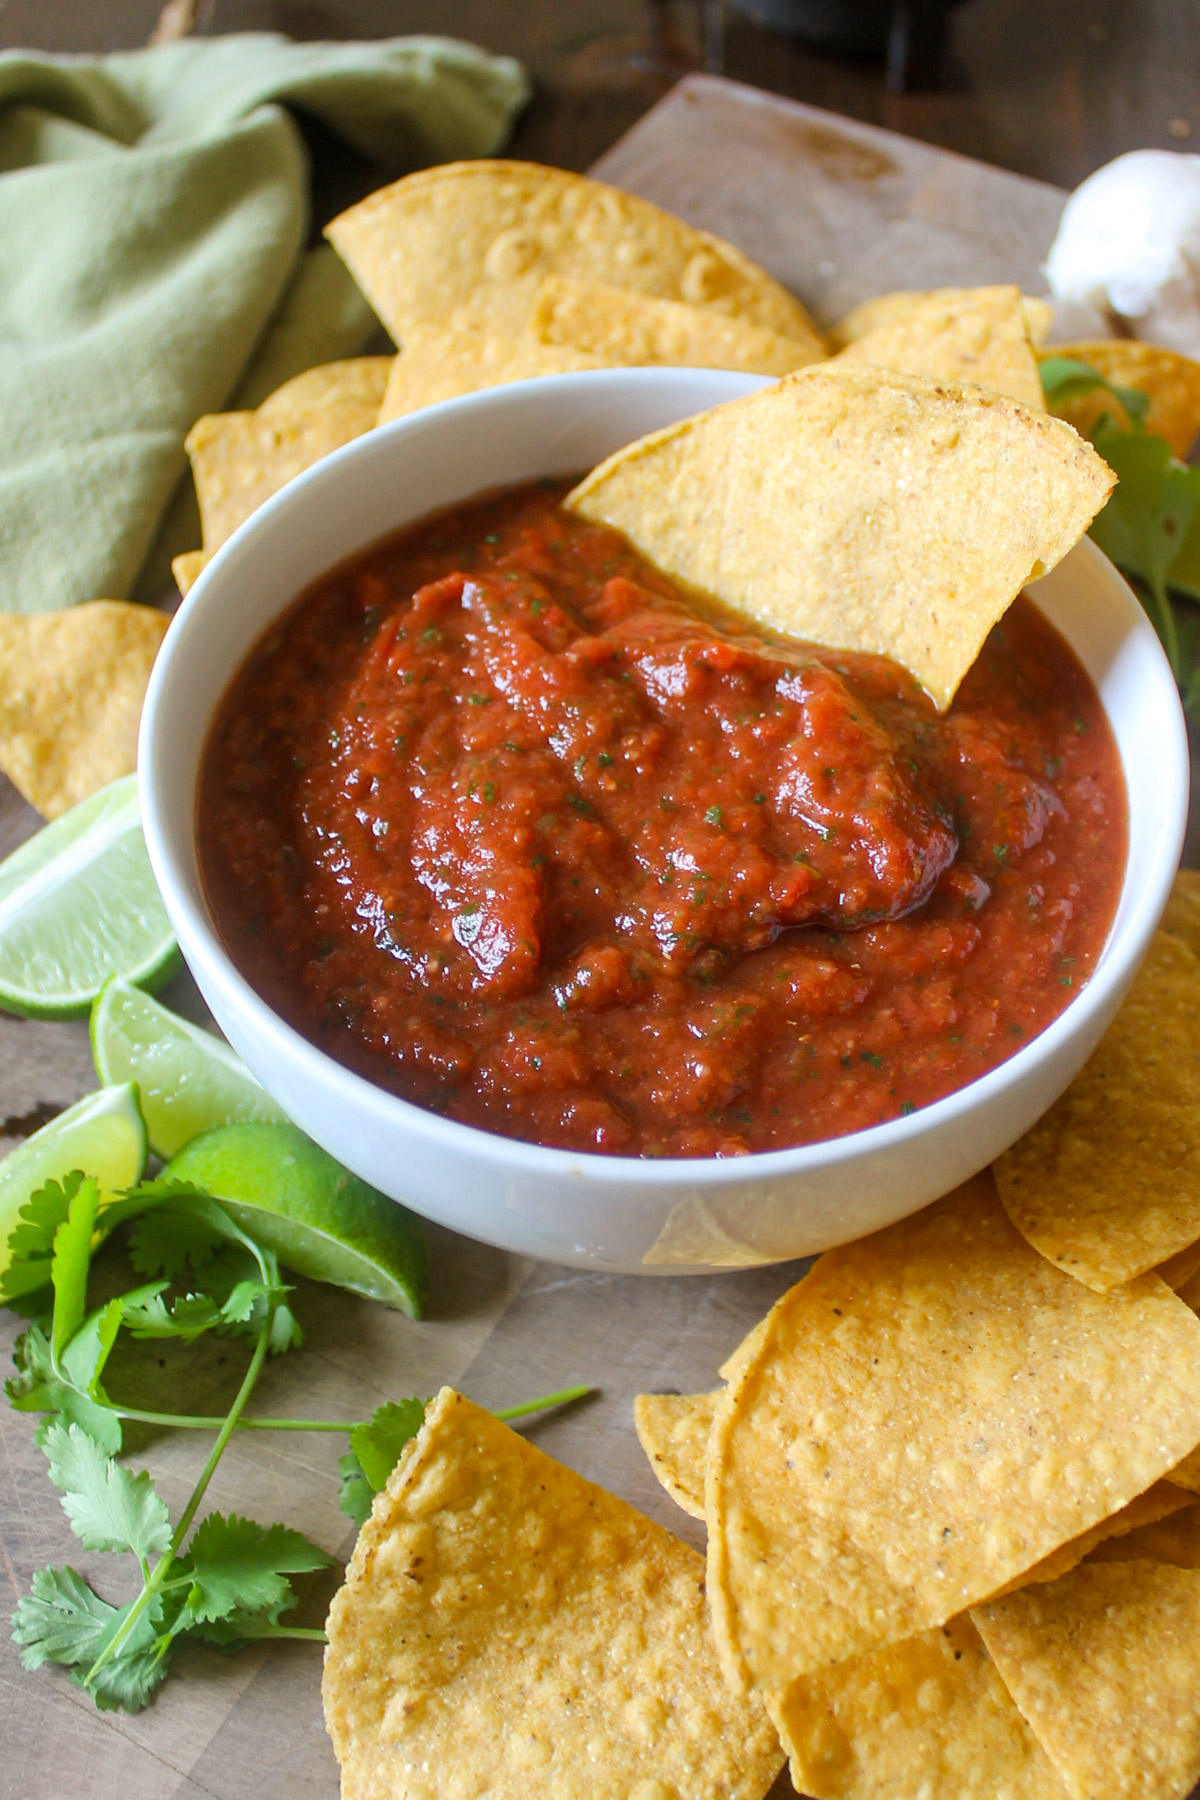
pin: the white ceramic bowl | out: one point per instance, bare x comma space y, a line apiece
617, 1213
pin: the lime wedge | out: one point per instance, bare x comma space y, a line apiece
319, 1218
188, 1080
102, 1134
78, 904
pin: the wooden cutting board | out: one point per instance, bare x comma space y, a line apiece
839, 211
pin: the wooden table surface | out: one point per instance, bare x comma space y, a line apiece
1046, 90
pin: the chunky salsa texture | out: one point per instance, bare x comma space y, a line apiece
502, 820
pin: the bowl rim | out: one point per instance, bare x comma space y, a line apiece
1119, 958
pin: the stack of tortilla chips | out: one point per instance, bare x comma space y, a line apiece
950, 1482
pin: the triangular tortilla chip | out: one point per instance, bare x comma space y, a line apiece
438, 365
71, 691
1169, 380
470, 243
240, 459
959, 334
1107, 1183
929, 1413
1174, 1540
1105, 1666
185, 568
629, 328
886, 309
858, 508
917, 1720
508, 1629
673, 1431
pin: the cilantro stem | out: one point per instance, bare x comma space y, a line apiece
163, 1566
544, 1401
310, 1633
199, 1422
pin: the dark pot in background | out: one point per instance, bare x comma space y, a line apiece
843, 27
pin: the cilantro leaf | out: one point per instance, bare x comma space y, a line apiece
63, 1621
285, 1330
1066, 378
70, 1261
36, 1387
31, 1241
377, 1443
193, 1314
85, 1356
109, 1508
355, 1493
165, 1239
1146, 520
240, 1566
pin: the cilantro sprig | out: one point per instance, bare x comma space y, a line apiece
1150, 526
220, 1578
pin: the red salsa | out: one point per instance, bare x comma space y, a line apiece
502, 820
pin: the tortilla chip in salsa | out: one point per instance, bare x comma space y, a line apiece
858, 508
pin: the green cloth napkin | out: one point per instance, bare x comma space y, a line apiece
154, 208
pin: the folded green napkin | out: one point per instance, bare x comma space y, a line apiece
153, 214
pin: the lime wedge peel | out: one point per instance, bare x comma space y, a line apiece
79, 903
320, 1219
188, 1080
103, 1134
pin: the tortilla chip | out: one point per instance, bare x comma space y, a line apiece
1107, 1183
673, 1431
1174, 1540
930, 1413
438, 365
1158, 1502
71, 691
1182, 917
241, 459
889, 309
1178, 1270
507, 1628
1171, 382
927, 1717
185, 568
470, 243
733, 1363
624, 328
1187, 1472
353, 388
858, 508
1105, 1666
1039, 318
959, 334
